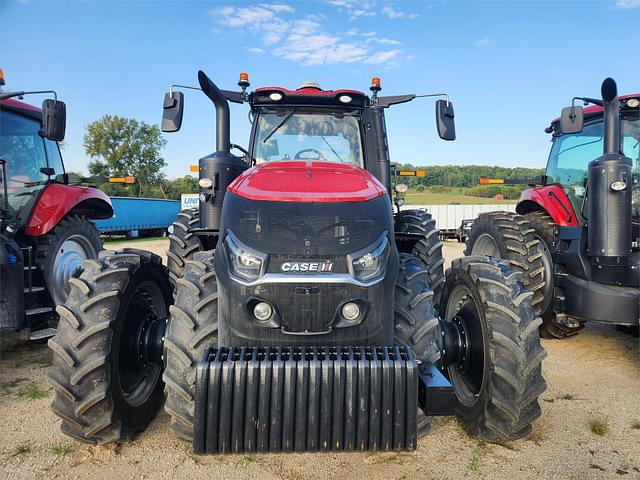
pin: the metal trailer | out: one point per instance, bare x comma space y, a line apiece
449, 217
139, 216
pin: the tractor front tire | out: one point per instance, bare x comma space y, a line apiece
106, 388
193, 325
416, 323
544, 227
183, 243
62, 251
428, 248
497, 374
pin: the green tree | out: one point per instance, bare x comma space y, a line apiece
123, 147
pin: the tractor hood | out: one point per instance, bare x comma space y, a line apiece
307, 181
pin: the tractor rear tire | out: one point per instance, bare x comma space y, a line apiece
193, 325
511, 237
62, 251
428, 249
183, 243
106, 389
498, 378
544, 227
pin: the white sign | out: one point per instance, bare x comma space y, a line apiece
189, 200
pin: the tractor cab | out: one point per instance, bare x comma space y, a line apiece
571, 152
30, 160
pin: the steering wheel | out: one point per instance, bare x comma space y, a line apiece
298, 157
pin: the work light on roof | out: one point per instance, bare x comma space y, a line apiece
345, 98
275, 96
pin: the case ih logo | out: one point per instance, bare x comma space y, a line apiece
321, 267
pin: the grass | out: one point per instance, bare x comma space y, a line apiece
636, 425
32, 392
21, 451
245, 460
61, 449
474, 463
6, 387
568, 396
599, 426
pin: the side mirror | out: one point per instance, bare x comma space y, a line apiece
444, 120
571, 120
172, 110
54, 119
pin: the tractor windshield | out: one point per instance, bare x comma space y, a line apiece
570, 156
297, 134
26, 153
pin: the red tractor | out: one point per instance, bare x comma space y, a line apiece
307, 319
45, 228
576, 234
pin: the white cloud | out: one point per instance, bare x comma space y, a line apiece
382, 57
483, 42
307, 40
627, 4
387, 41
279, 7
392, 13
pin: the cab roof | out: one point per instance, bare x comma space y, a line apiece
21, 107
308, 96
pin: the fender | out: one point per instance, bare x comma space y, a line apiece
553, 200
57, 200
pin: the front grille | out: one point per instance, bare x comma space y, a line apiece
307, 230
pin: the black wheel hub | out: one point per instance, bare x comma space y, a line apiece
464, 352
141, 347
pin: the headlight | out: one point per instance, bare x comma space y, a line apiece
372, 262
243, 261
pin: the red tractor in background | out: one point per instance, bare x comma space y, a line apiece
576, 233
45, 228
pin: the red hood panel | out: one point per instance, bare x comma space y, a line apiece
307, 181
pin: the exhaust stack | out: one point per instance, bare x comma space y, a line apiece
219, 169
609, 188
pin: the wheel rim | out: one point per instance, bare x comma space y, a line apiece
547, 291
67, 262
485, 244
467, 373
144, 319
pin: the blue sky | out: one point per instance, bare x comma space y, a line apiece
508, 66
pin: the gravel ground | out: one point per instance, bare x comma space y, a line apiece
592, 377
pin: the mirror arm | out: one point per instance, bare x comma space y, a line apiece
235, 97
181, 86
587, 100
7, 95
445, 95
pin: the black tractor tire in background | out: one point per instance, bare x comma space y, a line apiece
544, 227
416, 323
511, 237
106, 388
193, 325
62, 251
183, 243
428, 249
498, 378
